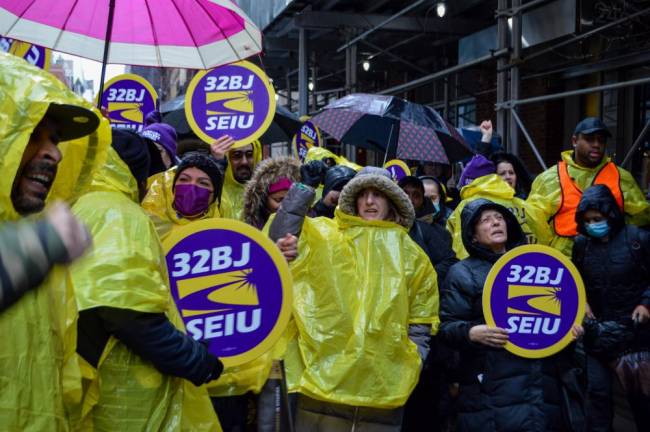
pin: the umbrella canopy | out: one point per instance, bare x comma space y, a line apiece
393, 126
196, 34
285, 123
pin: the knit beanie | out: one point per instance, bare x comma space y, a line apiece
205, 163
132, 149
479, 166
163, 134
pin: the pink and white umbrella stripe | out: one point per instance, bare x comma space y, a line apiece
198, 34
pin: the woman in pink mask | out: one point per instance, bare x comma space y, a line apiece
193, 194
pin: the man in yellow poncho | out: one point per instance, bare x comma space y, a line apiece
43, 157
556, 192
479, 180
365, 304
176, 199
139, 368
241, 162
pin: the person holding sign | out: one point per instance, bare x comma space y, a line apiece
365, 306
614, 260
499, 391
140, 368
241, 163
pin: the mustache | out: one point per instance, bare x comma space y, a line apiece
40, 167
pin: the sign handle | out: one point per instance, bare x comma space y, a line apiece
285, 396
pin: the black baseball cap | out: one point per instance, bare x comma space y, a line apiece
73, 121
591, 125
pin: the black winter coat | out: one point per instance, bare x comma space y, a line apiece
498, 390
616, 276
435, 241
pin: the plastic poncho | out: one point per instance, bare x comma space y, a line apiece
232, 195
545, 197
126, 269
493, 188
320, 153
357, 286
158, 205
39, 331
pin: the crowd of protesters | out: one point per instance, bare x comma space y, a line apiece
390, 333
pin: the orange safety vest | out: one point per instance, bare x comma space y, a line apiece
564, 221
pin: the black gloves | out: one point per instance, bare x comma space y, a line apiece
313, 173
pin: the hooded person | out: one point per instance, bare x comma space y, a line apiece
366, 301
267, 188
140, 368
436, 192
614, 260
479, 180
161, 139
241, 163
499, 391
51, 144
190, 191
335, 180
556, 192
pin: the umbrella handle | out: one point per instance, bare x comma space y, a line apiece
390, 136
107, 42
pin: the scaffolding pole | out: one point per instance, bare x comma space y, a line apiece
515, 58
515, 116
502, 77
303, 72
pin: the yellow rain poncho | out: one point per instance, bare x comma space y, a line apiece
357, 286
126, 270
493, 188
545, 197
232, 195
39, 331
158, 205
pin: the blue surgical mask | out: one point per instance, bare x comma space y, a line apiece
597, 229
436, 205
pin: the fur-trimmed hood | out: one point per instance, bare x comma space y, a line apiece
383, 183
266, 173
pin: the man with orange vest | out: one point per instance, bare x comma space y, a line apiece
557, 191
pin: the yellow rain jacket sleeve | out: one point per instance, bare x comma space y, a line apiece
493, 188
546, 196
126, 269
232, 195
158, 205
357, 287
39, 331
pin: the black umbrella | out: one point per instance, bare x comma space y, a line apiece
393, 126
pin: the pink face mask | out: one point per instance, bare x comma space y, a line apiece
191, 200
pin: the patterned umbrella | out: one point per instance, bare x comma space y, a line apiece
393, 126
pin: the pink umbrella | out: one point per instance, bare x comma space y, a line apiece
195, 34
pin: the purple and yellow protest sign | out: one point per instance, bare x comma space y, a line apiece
308, 137
128, 98
537, 295
236, 99
398, 169
231, 286
34, 54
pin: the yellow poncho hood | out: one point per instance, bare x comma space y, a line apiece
39, 331
127, 270
232, 195
357, 286
493, 188
159, 204
546, 196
